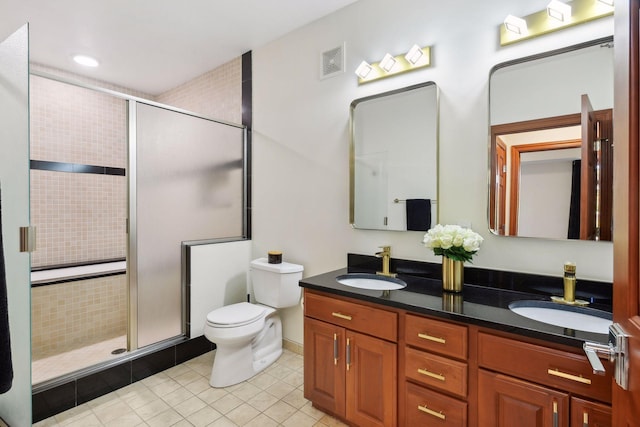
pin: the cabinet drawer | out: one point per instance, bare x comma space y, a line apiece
357, 317
436, 336
555, 368
435, 371
424, 407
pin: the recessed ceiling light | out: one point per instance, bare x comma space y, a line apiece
85, 60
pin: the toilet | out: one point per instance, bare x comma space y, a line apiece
248, 336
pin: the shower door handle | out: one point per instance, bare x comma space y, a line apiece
27, 239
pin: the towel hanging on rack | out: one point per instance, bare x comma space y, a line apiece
418, 214
6, 367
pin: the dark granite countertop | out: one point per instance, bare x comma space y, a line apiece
477, 304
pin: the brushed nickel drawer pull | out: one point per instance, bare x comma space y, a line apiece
432, 412
431, 338
431, 374
341, 316
557, 373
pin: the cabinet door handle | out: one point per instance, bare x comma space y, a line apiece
585, 419
557, 373
432, 338
555, 414
432, 412
341, 316
431, 374
335, 349
348, 353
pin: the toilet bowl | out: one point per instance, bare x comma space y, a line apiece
248, 336
239, 330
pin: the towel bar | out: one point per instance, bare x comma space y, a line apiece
404, 200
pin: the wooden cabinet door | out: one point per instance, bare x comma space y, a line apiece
506, 402
371, 381
324, 365
585, 413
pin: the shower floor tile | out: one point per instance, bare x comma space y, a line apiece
63, 363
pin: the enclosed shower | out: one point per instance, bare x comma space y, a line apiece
119, 185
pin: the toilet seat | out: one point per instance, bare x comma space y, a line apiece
235, 315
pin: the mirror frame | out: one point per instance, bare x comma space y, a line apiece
352, 144
491, 145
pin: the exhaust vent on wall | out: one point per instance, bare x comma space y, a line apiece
332, 62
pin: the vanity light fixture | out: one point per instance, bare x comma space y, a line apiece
388, 62
414, 55
85, 60
515, 25
363, 70
416, 58
559, 10
558, 15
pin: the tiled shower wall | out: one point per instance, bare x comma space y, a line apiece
81, 217
70, 315
215, 94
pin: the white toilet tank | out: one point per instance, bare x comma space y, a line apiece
276, 285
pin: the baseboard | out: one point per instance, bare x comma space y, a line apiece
292, 346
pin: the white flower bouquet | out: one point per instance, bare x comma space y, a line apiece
453, 241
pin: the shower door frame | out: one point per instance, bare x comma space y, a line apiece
132, 333
132, 250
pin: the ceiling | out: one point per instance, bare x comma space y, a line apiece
154, 45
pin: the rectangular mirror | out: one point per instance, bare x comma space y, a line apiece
551, 147
394, 159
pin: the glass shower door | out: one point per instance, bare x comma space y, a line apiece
15, 404
186, 184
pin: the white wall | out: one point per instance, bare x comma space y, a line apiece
218, 278
300, 134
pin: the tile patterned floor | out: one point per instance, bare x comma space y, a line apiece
64, 363
181, 396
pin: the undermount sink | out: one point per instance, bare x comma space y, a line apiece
374, 282
566, 316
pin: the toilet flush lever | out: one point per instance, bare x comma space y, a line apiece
615, 351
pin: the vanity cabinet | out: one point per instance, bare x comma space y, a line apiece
585, 413
505, 401
350, 359
435, 369
526, 384
375, 365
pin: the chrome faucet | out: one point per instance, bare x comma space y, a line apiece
385, 254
